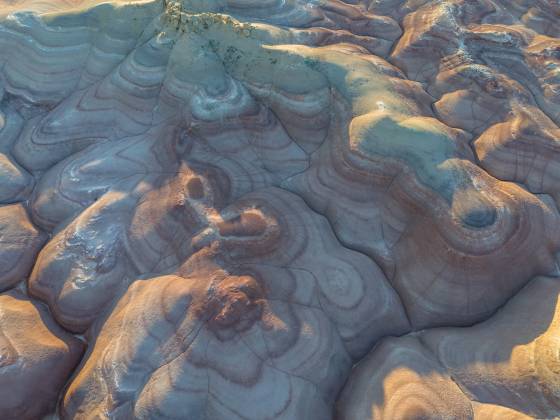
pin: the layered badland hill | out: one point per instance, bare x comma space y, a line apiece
279, 209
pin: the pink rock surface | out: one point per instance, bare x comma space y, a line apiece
279, 209
504, 367
38, 357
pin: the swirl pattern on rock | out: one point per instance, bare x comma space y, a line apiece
237, 202
505, 367
20, 241
35, 352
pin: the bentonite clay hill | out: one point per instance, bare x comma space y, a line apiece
279, 209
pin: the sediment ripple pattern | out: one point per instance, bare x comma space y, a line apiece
288, 209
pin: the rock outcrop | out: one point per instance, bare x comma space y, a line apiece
279, 209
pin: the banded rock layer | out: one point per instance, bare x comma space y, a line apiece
279, 209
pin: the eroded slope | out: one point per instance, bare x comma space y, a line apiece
232, 203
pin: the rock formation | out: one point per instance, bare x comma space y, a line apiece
279, 209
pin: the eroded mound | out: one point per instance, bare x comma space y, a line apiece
279, 209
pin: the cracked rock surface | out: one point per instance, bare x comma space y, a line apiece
279, 209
